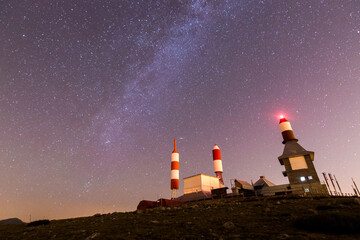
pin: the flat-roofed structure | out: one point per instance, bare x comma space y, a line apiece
200, 183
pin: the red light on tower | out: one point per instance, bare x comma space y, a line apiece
286, 130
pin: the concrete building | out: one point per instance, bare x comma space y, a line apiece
199, 187
298, 163
200, 183
263, 187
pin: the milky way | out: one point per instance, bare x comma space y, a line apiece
92, 94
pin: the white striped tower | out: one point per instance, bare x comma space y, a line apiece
286, 130
174, 172
218, 164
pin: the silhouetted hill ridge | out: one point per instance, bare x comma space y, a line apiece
229, 218
11, 221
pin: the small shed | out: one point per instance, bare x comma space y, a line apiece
219, 192
242, 188
262, 186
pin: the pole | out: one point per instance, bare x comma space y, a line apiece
327, 184
252, 183
233, 186
332, 182
358, 193
338, 186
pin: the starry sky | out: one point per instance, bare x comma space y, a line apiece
92, 94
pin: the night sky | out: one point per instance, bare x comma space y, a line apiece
92, 94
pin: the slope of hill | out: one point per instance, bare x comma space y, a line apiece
11, 221
233, 218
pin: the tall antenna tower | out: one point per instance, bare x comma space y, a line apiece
174, 172
218, 164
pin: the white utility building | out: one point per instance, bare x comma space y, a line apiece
200, 183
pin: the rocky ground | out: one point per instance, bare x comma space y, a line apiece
231, 218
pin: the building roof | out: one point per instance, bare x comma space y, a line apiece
243, 185
292, 149
263, 182
200, 175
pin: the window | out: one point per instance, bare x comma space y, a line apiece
298, 163
302, 179
307, 190
310, 177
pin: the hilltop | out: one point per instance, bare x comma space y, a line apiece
230, 218
11, 221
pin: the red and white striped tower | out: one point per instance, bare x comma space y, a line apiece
174, 172
218, 164
286, 130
